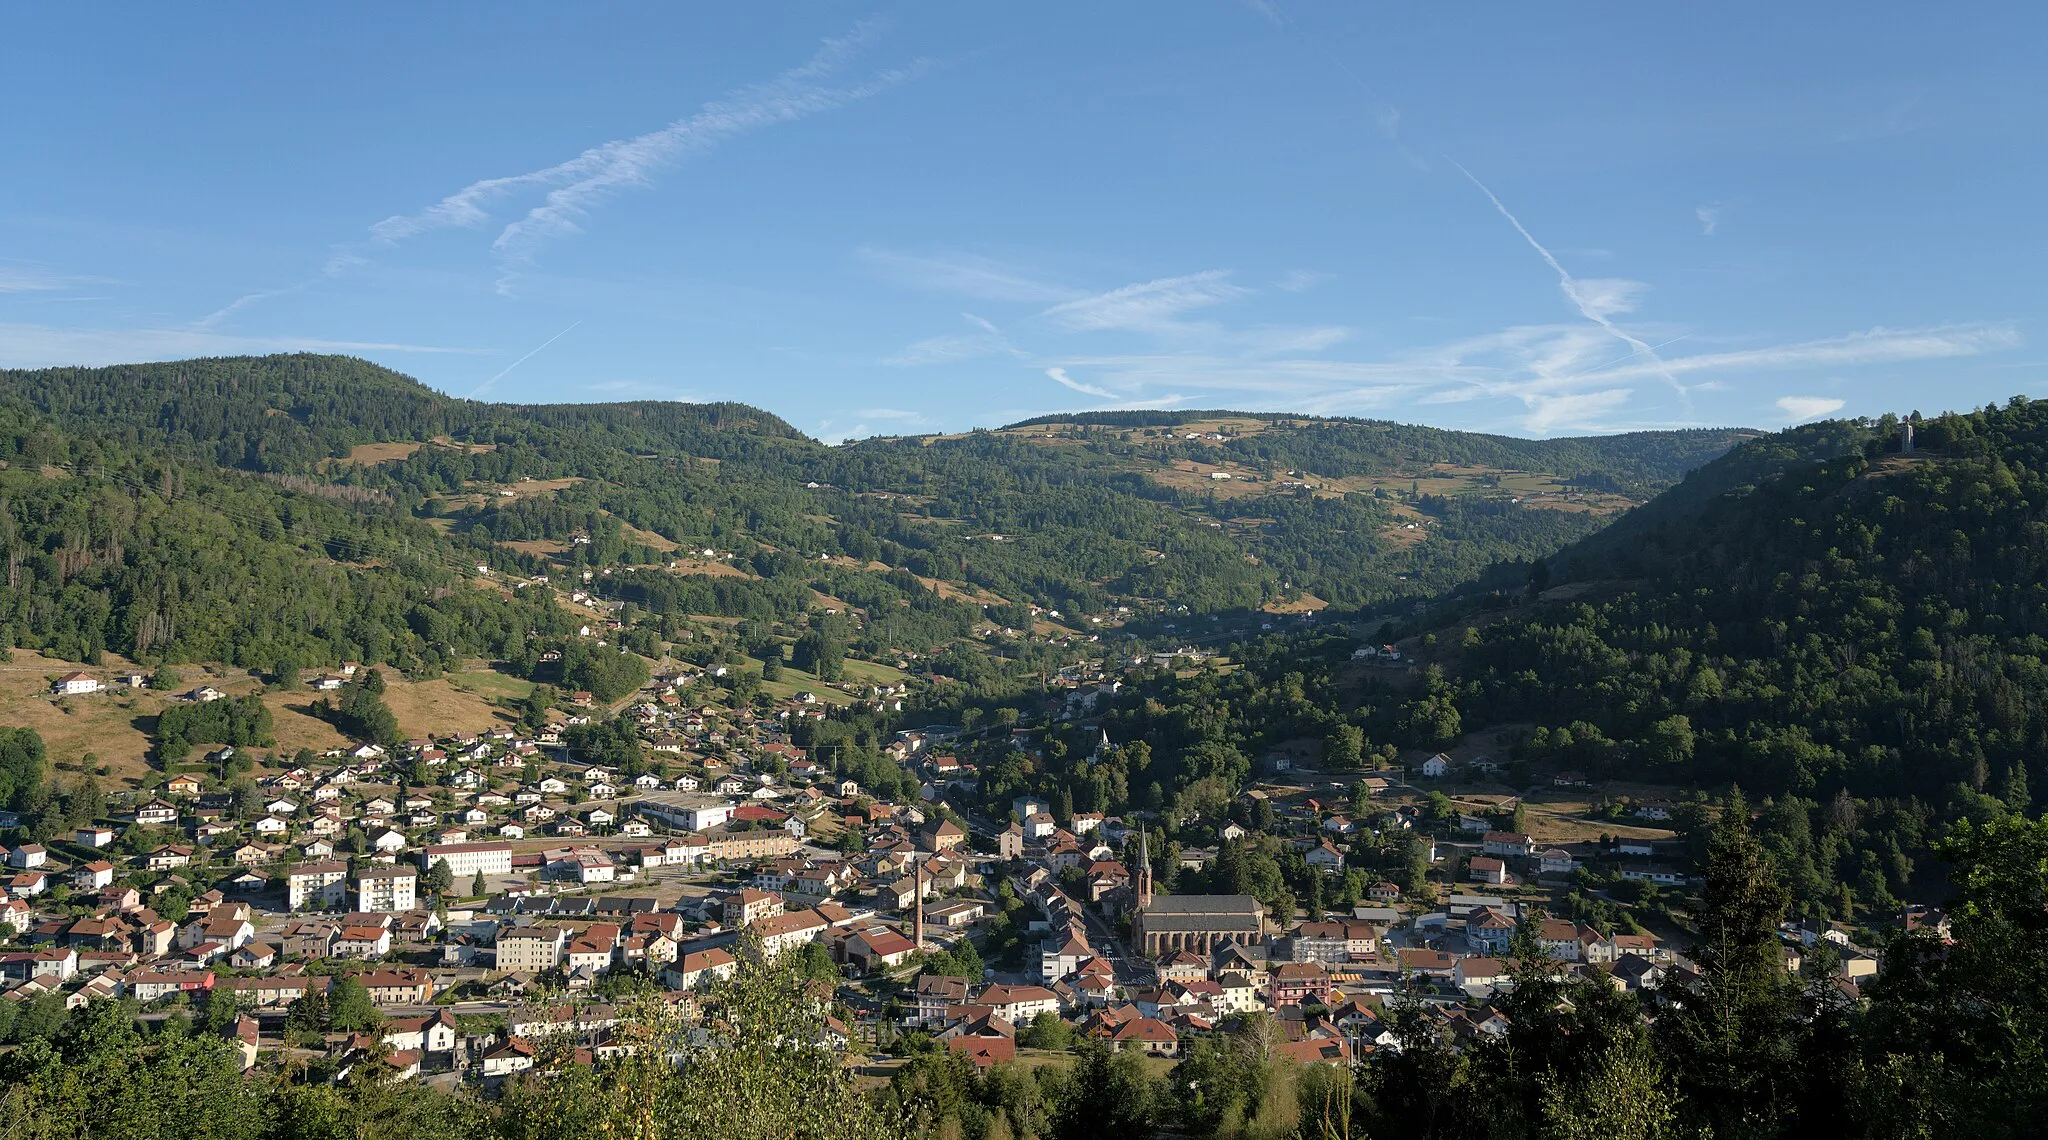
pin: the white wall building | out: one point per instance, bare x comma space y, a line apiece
468, 859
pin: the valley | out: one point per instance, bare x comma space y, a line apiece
1119, 743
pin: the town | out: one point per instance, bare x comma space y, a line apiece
456, 910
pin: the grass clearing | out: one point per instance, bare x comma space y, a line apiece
709, 568
646, 538
961, 592
873, 672
440, 706
109, 726
483, 681
114, 727
537, 547
368, 454
794, 681
295, 726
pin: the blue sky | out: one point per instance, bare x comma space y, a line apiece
912, 217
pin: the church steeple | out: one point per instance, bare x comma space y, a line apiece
1144, 870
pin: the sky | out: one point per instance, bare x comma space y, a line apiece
899, 218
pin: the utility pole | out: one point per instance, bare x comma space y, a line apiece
917, 923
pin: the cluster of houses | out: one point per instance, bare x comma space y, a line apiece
79, 683
330, 863
334, 870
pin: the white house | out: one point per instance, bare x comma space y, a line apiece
155, 813
1436, 767
1326, 858
76, 684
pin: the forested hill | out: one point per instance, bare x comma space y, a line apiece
289, 413
1642, 462
1863, 638
1231, 514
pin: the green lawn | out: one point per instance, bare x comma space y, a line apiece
873, 672
794, 680
486, 682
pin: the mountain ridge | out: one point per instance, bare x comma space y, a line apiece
1136, 518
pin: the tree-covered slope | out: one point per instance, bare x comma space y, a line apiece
1647, 460
1868, 632
1094, 518
113, 546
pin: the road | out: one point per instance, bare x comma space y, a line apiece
1129, 970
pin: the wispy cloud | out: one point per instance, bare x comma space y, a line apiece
1160, 309
968, 275
578, 185
1059, 376
1710, 219
984, 341
950, 349
1575, 411
1565, 377
1148, 306
830, 432
1283, 340
1800, 408
35, 346
1874, 346
1301, 280
1570, 375
28, 277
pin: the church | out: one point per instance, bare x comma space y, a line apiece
1199, 923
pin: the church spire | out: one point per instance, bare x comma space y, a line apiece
1144, 869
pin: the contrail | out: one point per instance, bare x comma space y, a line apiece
578, 184
1385, 113
1570, 285
529, 356
1623, 359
